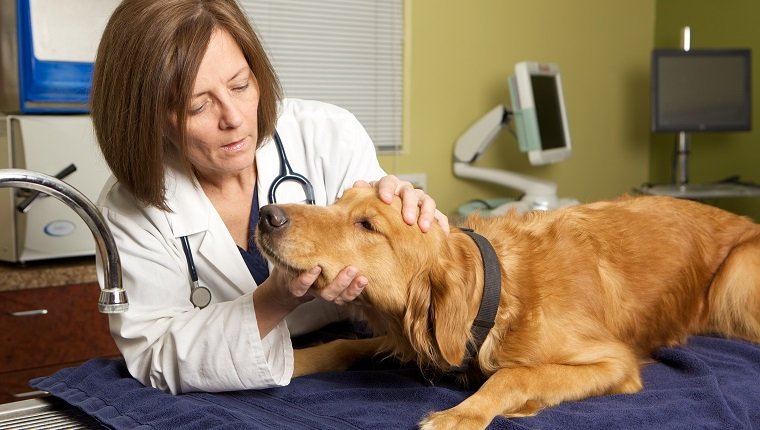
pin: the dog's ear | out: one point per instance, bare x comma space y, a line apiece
437, 314
452, 279
417, 318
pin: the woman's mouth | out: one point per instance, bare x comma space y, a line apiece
235, 146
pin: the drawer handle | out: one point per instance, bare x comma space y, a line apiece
30, 313
29, 394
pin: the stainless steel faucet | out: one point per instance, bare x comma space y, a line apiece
113, 298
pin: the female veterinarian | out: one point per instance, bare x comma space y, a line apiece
189, 116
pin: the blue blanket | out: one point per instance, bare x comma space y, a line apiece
712, 383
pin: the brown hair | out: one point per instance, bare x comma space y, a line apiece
144, 73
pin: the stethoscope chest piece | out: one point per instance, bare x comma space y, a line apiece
200, 297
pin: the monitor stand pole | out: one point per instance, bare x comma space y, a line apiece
682, 139
682, 158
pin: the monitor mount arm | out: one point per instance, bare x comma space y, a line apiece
537, 193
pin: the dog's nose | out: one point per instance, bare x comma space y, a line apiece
272, 218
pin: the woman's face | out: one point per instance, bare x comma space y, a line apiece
221, 115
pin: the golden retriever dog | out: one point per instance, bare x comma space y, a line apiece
588, 292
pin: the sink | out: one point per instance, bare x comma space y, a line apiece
45, 413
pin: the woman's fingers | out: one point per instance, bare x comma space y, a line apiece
346, 287
416, 206
300, 286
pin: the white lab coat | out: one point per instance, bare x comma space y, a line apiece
169, 344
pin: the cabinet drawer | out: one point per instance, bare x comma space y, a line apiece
14, 386
47, 326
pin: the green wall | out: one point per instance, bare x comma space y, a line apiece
458, 55
714, 156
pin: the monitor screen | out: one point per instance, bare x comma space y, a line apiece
540, 115
701, 90
548, 111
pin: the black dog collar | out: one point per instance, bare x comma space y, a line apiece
489, 303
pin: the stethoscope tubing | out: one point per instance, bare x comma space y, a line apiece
287, 174
189, 258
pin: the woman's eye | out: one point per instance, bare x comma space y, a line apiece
196, 109
240, 86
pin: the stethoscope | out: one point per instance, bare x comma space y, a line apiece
200, 296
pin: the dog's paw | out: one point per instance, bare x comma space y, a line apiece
453, 419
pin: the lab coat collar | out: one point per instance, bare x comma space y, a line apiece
185, 196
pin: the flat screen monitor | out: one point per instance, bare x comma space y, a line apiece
540, 115
701, 90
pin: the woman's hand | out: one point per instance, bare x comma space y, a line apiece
344, 288
416, 207
281, 293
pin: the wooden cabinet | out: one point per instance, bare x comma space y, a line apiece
46, 329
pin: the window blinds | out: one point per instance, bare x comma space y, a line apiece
345, 52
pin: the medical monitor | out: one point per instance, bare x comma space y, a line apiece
539, 112
701, 90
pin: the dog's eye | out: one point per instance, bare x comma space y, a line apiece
365, 224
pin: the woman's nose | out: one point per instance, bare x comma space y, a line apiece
230, 115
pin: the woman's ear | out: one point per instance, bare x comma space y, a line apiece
171, 129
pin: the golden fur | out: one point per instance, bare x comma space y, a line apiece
588, 291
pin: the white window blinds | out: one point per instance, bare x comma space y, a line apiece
345, 52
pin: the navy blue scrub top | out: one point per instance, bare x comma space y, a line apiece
256, 263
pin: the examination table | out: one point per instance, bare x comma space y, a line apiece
709, 383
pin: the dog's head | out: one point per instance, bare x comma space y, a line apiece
358, 230
410, 273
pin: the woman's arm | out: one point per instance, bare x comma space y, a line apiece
165, 341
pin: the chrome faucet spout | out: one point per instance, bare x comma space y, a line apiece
113, 298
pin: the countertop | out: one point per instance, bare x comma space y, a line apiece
15, 276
